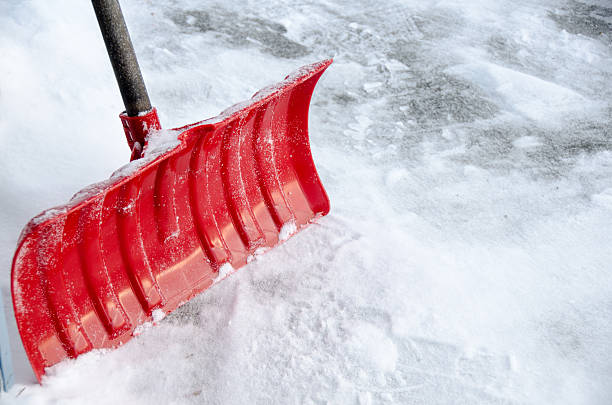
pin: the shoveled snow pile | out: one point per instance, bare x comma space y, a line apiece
466, 148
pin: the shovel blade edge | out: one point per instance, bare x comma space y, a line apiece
87, 274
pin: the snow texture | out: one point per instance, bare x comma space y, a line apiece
287, 230
224, 271
466, 149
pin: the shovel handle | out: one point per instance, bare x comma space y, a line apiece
122, 56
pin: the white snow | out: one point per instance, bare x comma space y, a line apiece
158, 142
466, 150
288, 229
526, 142
141, 328
225, 270
537, 99
158, 315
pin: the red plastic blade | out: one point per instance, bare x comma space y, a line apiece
86, 274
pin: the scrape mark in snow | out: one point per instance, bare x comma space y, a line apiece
537, 99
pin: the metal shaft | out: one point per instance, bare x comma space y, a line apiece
122, 56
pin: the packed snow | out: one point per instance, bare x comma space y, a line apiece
287, 230
466, 149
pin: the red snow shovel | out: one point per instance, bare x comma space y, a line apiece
86, 274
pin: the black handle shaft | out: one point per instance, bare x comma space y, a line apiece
122, 56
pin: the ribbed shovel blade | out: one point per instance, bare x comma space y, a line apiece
87, 273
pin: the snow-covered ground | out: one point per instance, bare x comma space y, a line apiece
467, 150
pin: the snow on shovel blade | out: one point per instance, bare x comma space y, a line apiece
88, 273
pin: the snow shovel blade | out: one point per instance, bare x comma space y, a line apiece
86, 274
